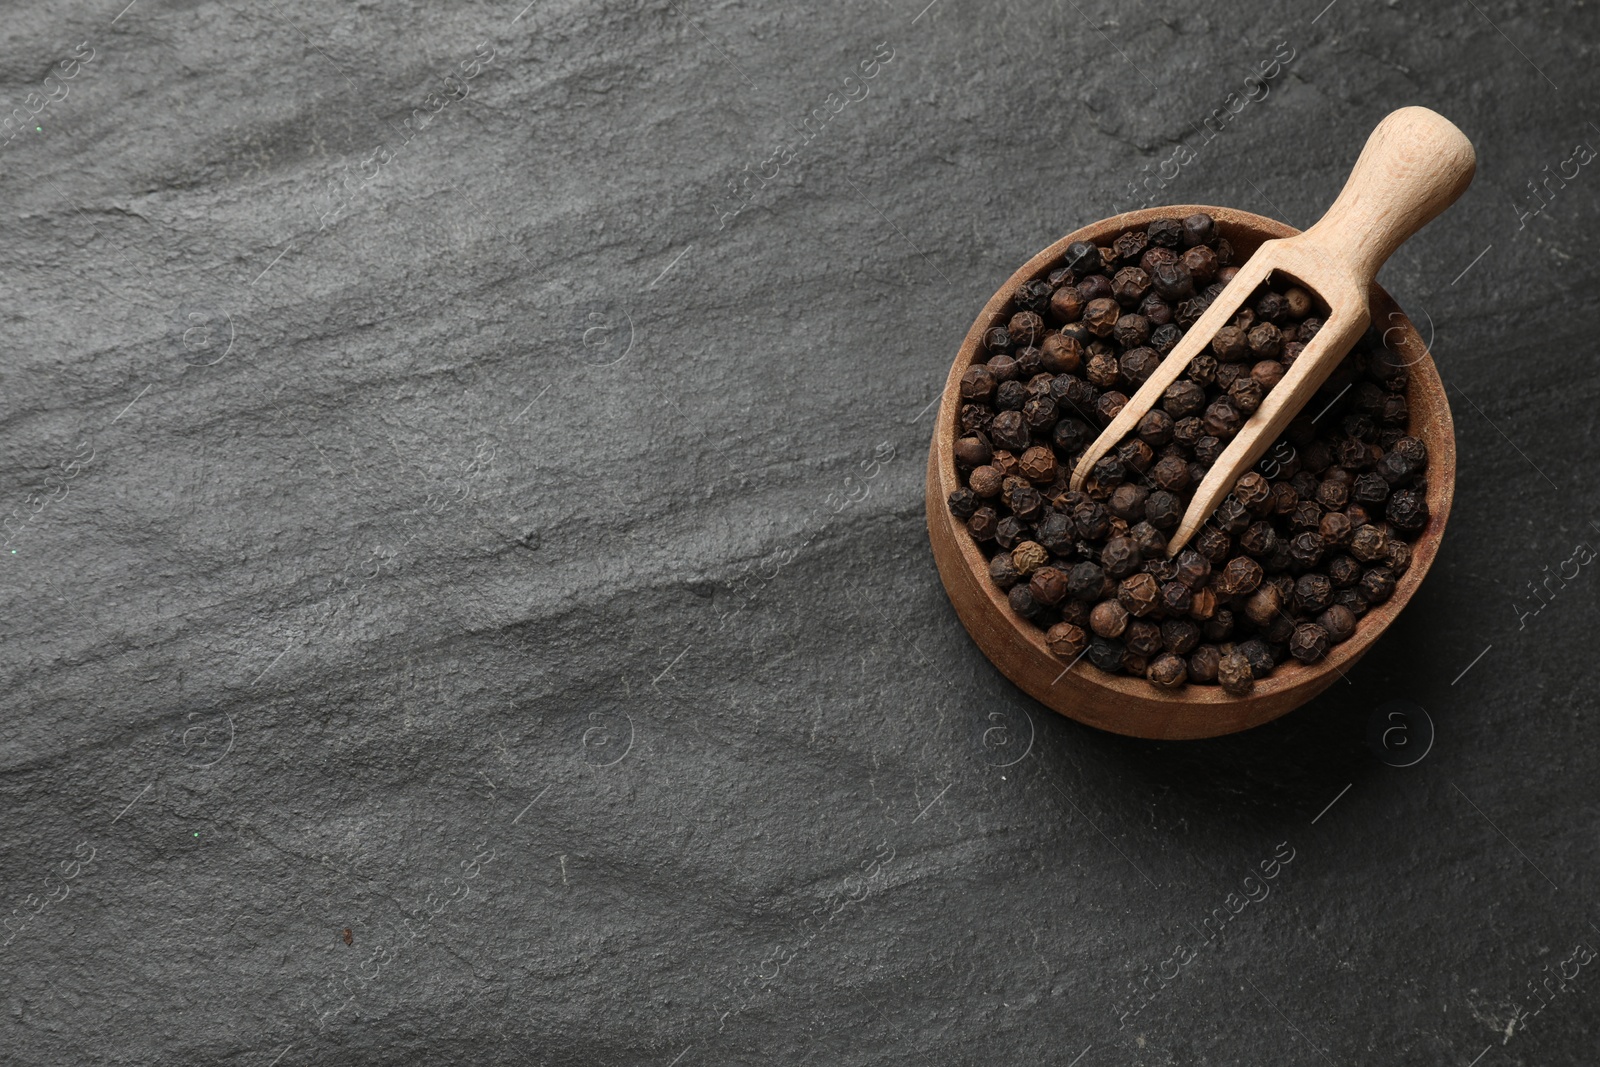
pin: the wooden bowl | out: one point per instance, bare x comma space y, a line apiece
1121, 703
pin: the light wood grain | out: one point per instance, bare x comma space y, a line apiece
1415, 164
1133, 706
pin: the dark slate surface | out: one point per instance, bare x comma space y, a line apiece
473, 529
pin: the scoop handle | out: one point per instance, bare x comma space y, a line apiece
1415, 164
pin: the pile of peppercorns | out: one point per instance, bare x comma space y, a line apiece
1305, 544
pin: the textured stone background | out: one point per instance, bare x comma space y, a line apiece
474, 529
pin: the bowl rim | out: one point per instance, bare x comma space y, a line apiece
1289, 679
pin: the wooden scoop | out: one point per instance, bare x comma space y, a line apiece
1415, 164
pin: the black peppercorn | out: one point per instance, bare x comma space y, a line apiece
1003, 572
1106, 655
1343, 571
1395, 469
1143, 638
1172, 282
1259, 539
1407, 510
1333, 493
1183, 398
1094, 287
1010, 396
1370, 488
1066, 640
1223, 418
1234, 673
1163, 510
1284, 498
977, 383
1201, 263
1026, 328
1102, 369
1138, 364
1110, 405
1129, 286
973, 451
1203, 663
1033, 295
983, 524
1189, 311
1056, 533
1370, 544
1213, 544
1127, 502
1229, 344
1219, 627
1109, 619
1048, 585
1241, 575
1010, 532
1003, 367
1023, 603
1395, 411
1377, 584
1164, 337
1263, 605
1025, 502
1139, 594
1312, 593
963, 503
1176, 598
1100, 315
1085, 581
1264, 340
1131, 330
1040, 414
1188, 431
1092, 520
985, 481
1166, 233
1231, 516
1121, 557
1066, 305
1129, 246
1082, 258
1038, 464
1010, 431
1167, 671
1339, 623
1155, 256
1336, 529
1072, 436
1352, 598
1260, 656
1180, 636
1171, 473
1198, 229
1271, 306
1309, 642
1152, 542
1306, 548
1060, 353
1247, 394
